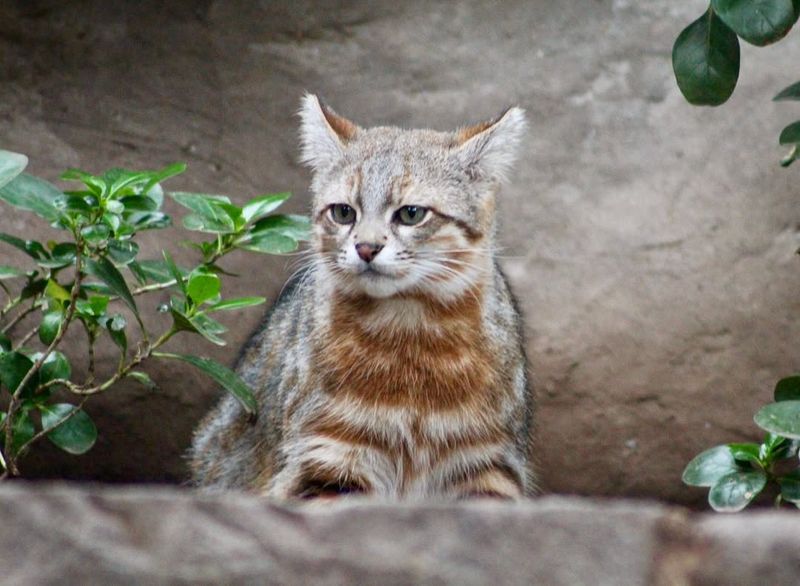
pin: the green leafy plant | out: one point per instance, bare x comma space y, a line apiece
93, 278
737, 473
706, 56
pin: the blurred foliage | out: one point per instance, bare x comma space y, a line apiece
705, 56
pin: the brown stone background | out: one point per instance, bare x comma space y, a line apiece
651, 243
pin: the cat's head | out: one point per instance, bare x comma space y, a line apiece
405, 211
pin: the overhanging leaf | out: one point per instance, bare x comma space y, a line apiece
736, 490
788, 389
239, 303
11, 165
103, 269
222, 375
33, 194
705, 59
76, 435
789, 93
759, 22
262, 205
7, 272
709, 466
780, 418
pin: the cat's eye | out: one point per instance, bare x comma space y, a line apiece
410, 215
343, 213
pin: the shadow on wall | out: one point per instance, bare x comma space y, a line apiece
651, 244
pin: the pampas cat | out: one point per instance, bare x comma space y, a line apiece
394, 365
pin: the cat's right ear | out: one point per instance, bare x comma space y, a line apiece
323, 133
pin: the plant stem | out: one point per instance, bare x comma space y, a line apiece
154, 287
12, 303
13, 405
31, 333
18, 318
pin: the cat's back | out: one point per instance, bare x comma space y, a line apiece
228, 447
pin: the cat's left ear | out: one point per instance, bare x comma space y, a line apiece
489, 149
323, 133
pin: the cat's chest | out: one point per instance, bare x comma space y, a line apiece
432, 361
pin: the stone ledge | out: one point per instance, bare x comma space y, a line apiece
156, 535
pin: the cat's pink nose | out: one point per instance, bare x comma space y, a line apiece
368, 250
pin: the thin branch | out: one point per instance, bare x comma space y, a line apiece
7, 328
14, 403
154, 287
12, 303
26, 338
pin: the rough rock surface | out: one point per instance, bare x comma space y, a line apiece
62, 535
651, 243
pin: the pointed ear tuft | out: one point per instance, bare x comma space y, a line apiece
323, 133
489, 149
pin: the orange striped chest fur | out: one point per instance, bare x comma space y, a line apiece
411, 352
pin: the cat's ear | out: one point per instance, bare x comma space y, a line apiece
489, 149
323, 133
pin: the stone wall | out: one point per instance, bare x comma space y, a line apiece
62, 535
651, 243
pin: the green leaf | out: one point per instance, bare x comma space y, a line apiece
5, 343
174, 271
96, 185
116, 329
51, 324
122, 252
780, 418
30, 247
7, 272
238, 303
203, 286
261, 206
13, 368
11, 165
210, 212
163, 175
103, 269
23, 430
76, 435
705, 59
63, 255
745, 452
790, 486
198, 325
759, 22
56, 291
94, 306
708, 467
96, 233
788, 389
736, 490
55, 366
269, 242
33, 288
293, 226
143, 378
149, 220
159, 271
32, 194
789, 93
791, 134
222, 375
139, 203
72, 203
